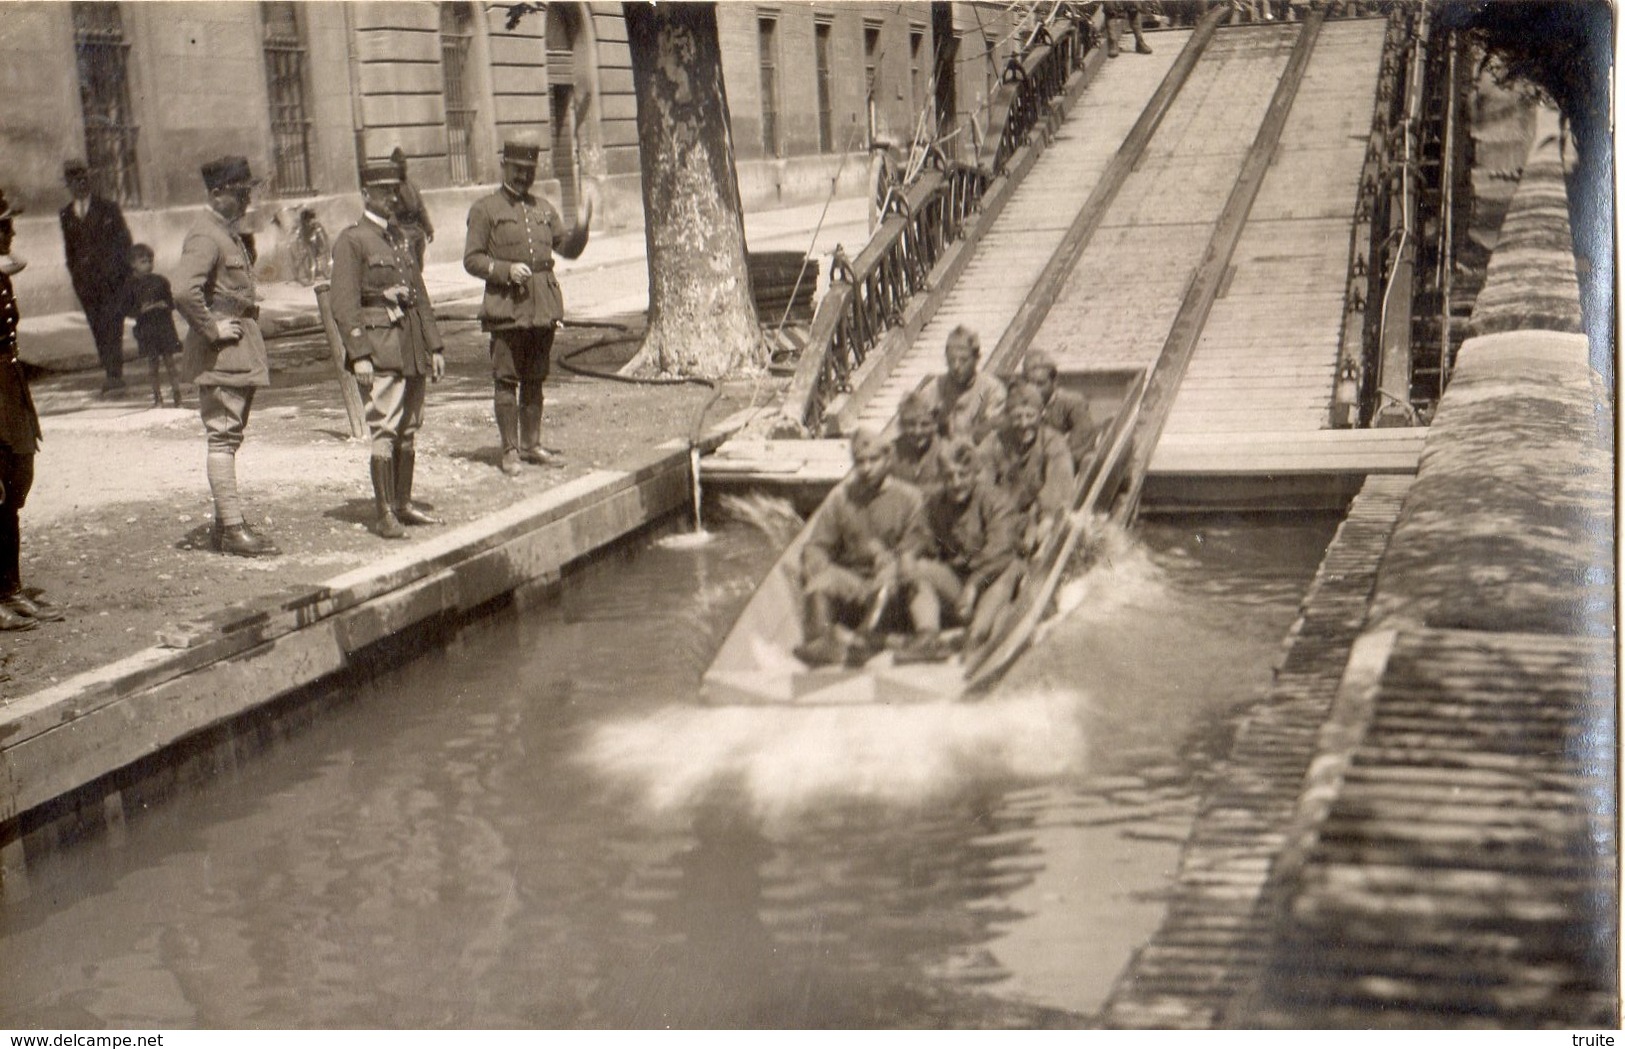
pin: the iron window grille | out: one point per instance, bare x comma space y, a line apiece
285, 87
456, 43
826, 132
102, 56
766, 39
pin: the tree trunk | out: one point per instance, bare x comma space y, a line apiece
702, 319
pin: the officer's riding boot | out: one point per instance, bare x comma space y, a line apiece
405, 512
383, 496
530, 430
506, 409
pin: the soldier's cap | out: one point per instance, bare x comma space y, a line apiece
228, 172
380, 173
6, 210
521, 149
74, 169
1037, 361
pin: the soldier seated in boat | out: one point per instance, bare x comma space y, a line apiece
917, 451
1032, 465
964, 568
1064, 411
969, 403
850, 565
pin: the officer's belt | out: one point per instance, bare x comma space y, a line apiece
537, 267
231, 306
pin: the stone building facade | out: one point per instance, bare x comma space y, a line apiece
145, 92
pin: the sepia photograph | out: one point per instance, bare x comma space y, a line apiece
803, 515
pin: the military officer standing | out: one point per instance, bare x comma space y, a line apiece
19, 440
224, 350
512, 235
382, 311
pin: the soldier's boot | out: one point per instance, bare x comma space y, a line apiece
240, 540
383, 497
506, 409
405, 512
530, 430
821, 647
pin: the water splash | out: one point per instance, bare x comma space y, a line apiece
779, 761
1114, 569
774, 517
685, 540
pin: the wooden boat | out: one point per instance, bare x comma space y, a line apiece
756, 664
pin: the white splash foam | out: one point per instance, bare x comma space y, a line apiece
782, 760
685, 540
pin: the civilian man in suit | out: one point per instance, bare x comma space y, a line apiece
96, 243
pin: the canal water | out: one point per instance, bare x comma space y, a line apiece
540, 826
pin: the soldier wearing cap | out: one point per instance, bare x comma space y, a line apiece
96, 245
1031, 463
382, 312
969, 402
224, 350
1064, 411
854, 557
19, 440
512, 235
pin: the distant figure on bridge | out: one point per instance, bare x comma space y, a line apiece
969, 403
962, 576
1032, 464
1118, 12
1064, 411
851, 564
917, 451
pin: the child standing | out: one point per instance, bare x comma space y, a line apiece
148, 299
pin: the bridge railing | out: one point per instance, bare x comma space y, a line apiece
867, 295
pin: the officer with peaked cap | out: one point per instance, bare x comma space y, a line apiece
382, 312
19, 440
512, 236
224, 350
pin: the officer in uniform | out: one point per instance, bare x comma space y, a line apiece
382, 311
224, 350
512, 235
19, 440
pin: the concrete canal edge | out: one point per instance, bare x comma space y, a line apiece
1416, 825
61, 748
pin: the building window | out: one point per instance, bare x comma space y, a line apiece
285, 84
916, 68
456, 40
826, 128
767, 44
871, 66
104, 98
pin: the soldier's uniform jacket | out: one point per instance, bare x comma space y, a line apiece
367, 259
19, 423
972, 412
504, 229
215, 282
976, 538
924, 470
1038, 476
1068, 414
856, 522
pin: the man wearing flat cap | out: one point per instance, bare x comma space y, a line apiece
382, 312
96, 245
512, 236
224, 350
19, 440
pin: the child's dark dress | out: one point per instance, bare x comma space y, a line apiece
149, 300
